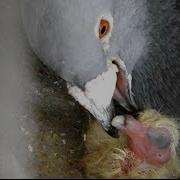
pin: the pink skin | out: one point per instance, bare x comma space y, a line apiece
149, 144
141, 144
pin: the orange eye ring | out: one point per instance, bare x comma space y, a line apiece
104, 28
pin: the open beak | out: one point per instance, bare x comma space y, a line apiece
103, 94
122, 93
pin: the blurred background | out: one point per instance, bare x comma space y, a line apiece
42, 129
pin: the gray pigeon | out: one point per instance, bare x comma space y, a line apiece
127, 50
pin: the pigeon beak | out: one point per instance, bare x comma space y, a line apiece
100, 93
122, 94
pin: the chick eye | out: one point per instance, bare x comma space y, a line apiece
104, 28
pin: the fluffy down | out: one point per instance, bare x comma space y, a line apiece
106, 157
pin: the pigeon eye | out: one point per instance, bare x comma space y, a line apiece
104, 28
